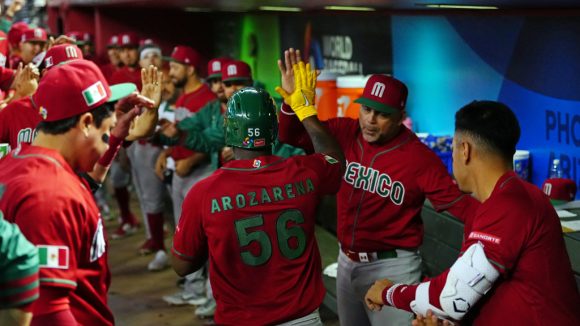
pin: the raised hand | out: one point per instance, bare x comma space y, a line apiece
291, 57
152, 84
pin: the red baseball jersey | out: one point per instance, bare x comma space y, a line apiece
108, 70
185, 106
255, 219
522, 238
384, 186
18, 122
127, 75
56, 211
14, 61
6, 78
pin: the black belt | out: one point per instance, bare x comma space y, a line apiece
367, 257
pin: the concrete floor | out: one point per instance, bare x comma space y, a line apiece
135, 293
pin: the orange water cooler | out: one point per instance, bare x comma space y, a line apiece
326, 95
348, 89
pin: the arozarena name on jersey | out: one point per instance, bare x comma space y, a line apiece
262, 196
371, 180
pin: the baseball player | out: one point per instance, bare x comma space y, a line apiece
149, 188
129, 55
258, 231
7, 18
388, 176
14, 39
59, 214
115, 62
32, 43
19, 119
513, 268
190, 166
204, 131
18, 275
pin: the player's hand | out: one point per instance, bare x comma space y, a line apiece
302, 99
169, 129
184, 167
133, 100
227, 154
161, 165
124, 120
374, 296
430, 320
152, 80
291, 57
14, 7
62, 39
25, 81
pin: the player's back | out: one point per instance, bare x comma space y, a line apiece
258, 216
540, 284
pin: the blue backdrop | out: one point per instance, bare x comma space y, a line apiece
532, 64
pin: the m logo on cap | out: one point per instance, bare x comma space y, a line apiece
216, 66
115, 39
232, 70
37, 32
378, 89
125, 39
548, 189
94, 93
48, 62
71, 52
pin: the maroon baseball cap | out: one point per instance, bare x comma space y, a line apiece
80, 38
384, 94
113, 41
560, 189
236, 71
185, 55
75, 88
62, 53
128, 40
15, 33
34, 35
214, 67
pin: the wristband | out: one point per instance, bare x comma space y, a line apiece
114, 146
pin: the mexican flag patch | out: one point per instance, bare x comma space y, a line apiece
94, 93
330, 159
53, 256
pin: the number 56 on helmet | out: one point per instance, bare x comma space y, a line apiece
250, 121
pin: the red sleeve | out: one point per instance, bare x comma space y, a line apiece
403, 294
291, 131
190, 241
502, 234
54, 231
327, 170
6, 78
442, 191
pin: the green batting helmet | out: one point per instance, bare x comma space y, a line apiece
250, 121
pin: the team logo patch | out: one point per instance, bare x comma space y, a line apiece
484, 237
98, 245
330, 159
257, 163
53, 256
94, 93
260, 142
43, 113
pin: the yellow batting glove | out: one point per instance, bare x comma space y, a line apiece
284, 94
302, 99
